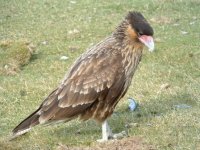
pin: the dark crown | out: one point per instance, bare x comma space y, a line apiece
139, 23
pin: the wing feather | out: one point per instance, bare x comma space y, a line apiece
99, 73
94, 77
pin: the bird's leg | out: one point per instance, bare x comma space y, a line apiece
106, 132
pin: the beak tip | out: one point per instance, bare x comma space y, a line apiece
151, 46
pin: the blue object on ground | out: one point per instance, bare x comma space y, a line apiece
182, 106
132, 104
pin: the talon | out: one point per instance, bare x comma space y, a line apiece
101, 140
120, 135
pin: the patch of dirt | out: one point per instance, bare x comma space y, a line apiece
130, 143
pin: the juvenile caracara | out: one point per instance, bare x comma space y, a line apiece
98, 79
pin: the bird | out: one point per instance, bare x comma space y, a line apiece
97, 80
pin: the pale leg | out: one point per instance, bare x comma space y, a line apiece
106, 132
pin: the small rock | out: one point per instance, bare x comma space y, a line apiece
2, 89
44, 42
132, 125
149, 124
74, 31
176, 24
64, 58
184, 32
6, 66
182, 106
158, 40
73, 2
194, 17
193, 22
164, 86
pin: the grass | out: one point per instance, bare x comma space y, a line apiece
58, 28
14, 55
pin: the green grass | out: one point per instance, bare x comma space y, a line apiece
176, 61
14, 55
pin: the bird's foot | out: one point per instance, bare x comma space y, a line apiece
120, 135
106, 132
108, 135
115, 136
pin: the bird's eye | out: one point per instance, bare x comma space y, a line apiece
140, 33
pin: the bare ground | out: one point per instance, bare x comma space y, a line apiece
130, 143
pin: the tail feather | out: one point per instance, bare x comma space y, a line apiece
26, 124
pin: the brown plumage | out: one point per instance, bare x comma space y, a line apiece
98, 79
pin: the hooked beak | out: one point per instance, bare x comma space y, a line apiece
147, 41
